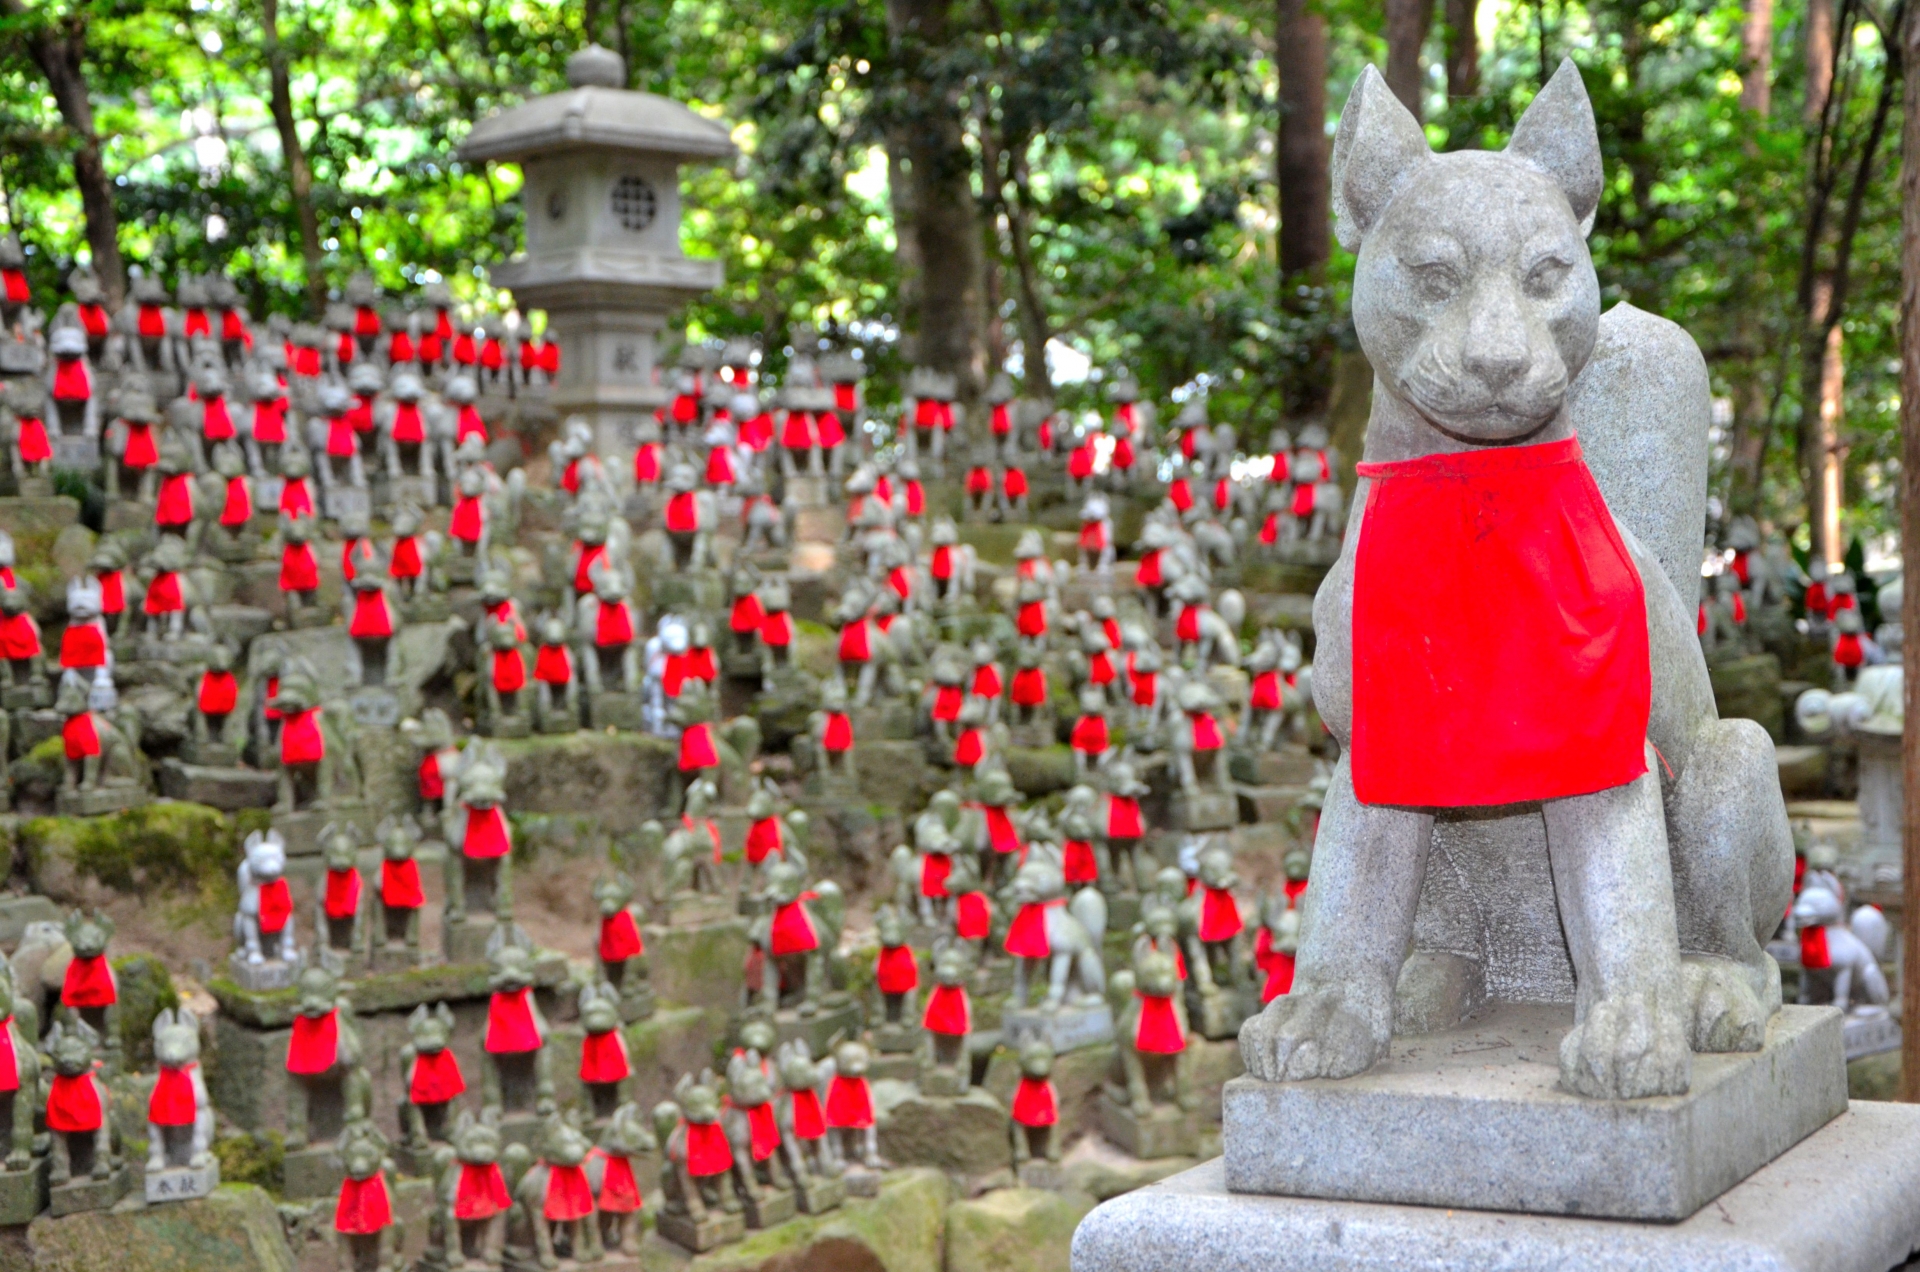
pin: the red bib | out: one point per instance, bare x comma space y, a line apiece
1029, 687
1206, 732
553, 665
276, 905
942, 566
163, 594
487, 833
80, 737
400, 884
1499, 633
854, 645
1032, 621
315, 1043
1035, 1103
972, 918
614, 626
763, 840
481, 1192
620, 937
510, 1027
71, 383
603, 1058
175, 507
301, 741
113, 592
219, 692
436, 1077
172, 1102
432, 785
1219, 916
1001, 834
1090, 734
778, 630
1266, 692
239, 506
509, 671
33, 442
1078, 864
897, 972
934, 869
468, 519
946, 703
364, 1207
849, 1103
809, 1123
406, 423
619, 1191
404, 562
371, 619
708, 1152
696, 748
763, 1131
839, 733
1813, 948
1027, 934
792, 931
683, 514
747, 615
73, 1104
968, 749
1159, 1030
9, 1063
89, 983
1148, 575
948, 1012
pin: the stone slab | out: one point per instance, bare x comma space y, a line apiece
1486, 1094
1839, 1201
1067, 1028
23, 1193
182, 1183
83, 1192
228, 789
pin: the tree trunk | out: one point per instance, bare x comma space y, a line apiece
60, 53
1910, 550
1822, 456
1407, 25
299, 172
1819, 56
906, 240
949, 322
1035, 330
1301, 156
1756, 75
1463, 49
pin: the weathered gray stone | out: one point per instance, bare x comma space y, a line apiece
965, 1136
237, 1229
228, 789
1013, 1230
1487, 1094
1841, 1201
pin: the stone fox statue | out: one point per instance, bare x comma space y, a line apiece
1558, 814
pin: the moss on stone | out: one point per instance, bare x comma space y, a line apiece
1014, 1230
170, 845
146, 990
237, 1229
901, 1230
257, 1158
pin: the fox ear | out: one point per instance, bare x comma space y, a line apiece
1556, 134
1377, 146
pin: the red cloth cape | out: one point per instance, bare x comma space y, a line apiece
849, 1103
948, 1011
569, 1196
1500, 646
620, 937
1035, 1103
809, 1123
172, 1102
315, 1043
708, 1152
510, 1027
603, 1058
1219, 916
481, 1192
897, 972
400, 884
276, 905
89, 983
73, 1103
436, 1077
364, 1207
487, 834
1158, 1032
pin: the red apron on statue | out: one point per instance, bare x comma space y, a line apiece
1499, 633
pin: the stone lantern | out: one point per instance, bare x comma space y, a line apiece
602, 193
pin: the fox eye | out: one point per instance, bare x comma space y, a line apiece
1436, 281
1545, 277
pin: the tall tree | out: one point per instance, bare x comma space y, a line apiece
1910, 545
948, 324
1756, 57
1819, 51
1463, 49
1301, 158
293, 155
58, 46
1407, 24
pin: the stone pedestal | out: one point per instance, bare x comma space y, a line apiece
715, 1228
182, 1183
1208, 808
84, 1192
464, 940
1042, 1174
315, 1171
301, 828
616, 709
897, 1039
1067, 1028
262, 977
938, 1082
964, 1136
517, 724
772, 1206
1487, 1093
228, 787
98, 801
1839, 1201
1218, 1015
817, 1194
1870, 1035
695, 909
23, 1193
1166, 1131
842, 1017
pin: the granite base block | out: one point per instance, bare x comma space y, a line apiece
23, 1193
715, 1228
84, 1192
182, 1183
1486, 1094
1839, 1201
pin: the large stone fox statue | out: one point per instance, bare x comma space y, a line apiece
1535, 796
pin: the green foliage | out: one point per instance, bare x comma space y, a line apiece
186, 850
146, 990
257, 1157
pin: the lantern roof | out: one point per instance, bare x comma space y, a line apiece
597, 113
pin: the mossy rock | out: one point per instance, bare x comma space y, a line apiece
146, 990
166, 844
237, 1229
258, 1158
1014, 1230
621, 777
901, 1230
1038, 772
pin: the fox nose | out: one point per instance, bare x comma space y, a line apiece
1496, 347
1498, 362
